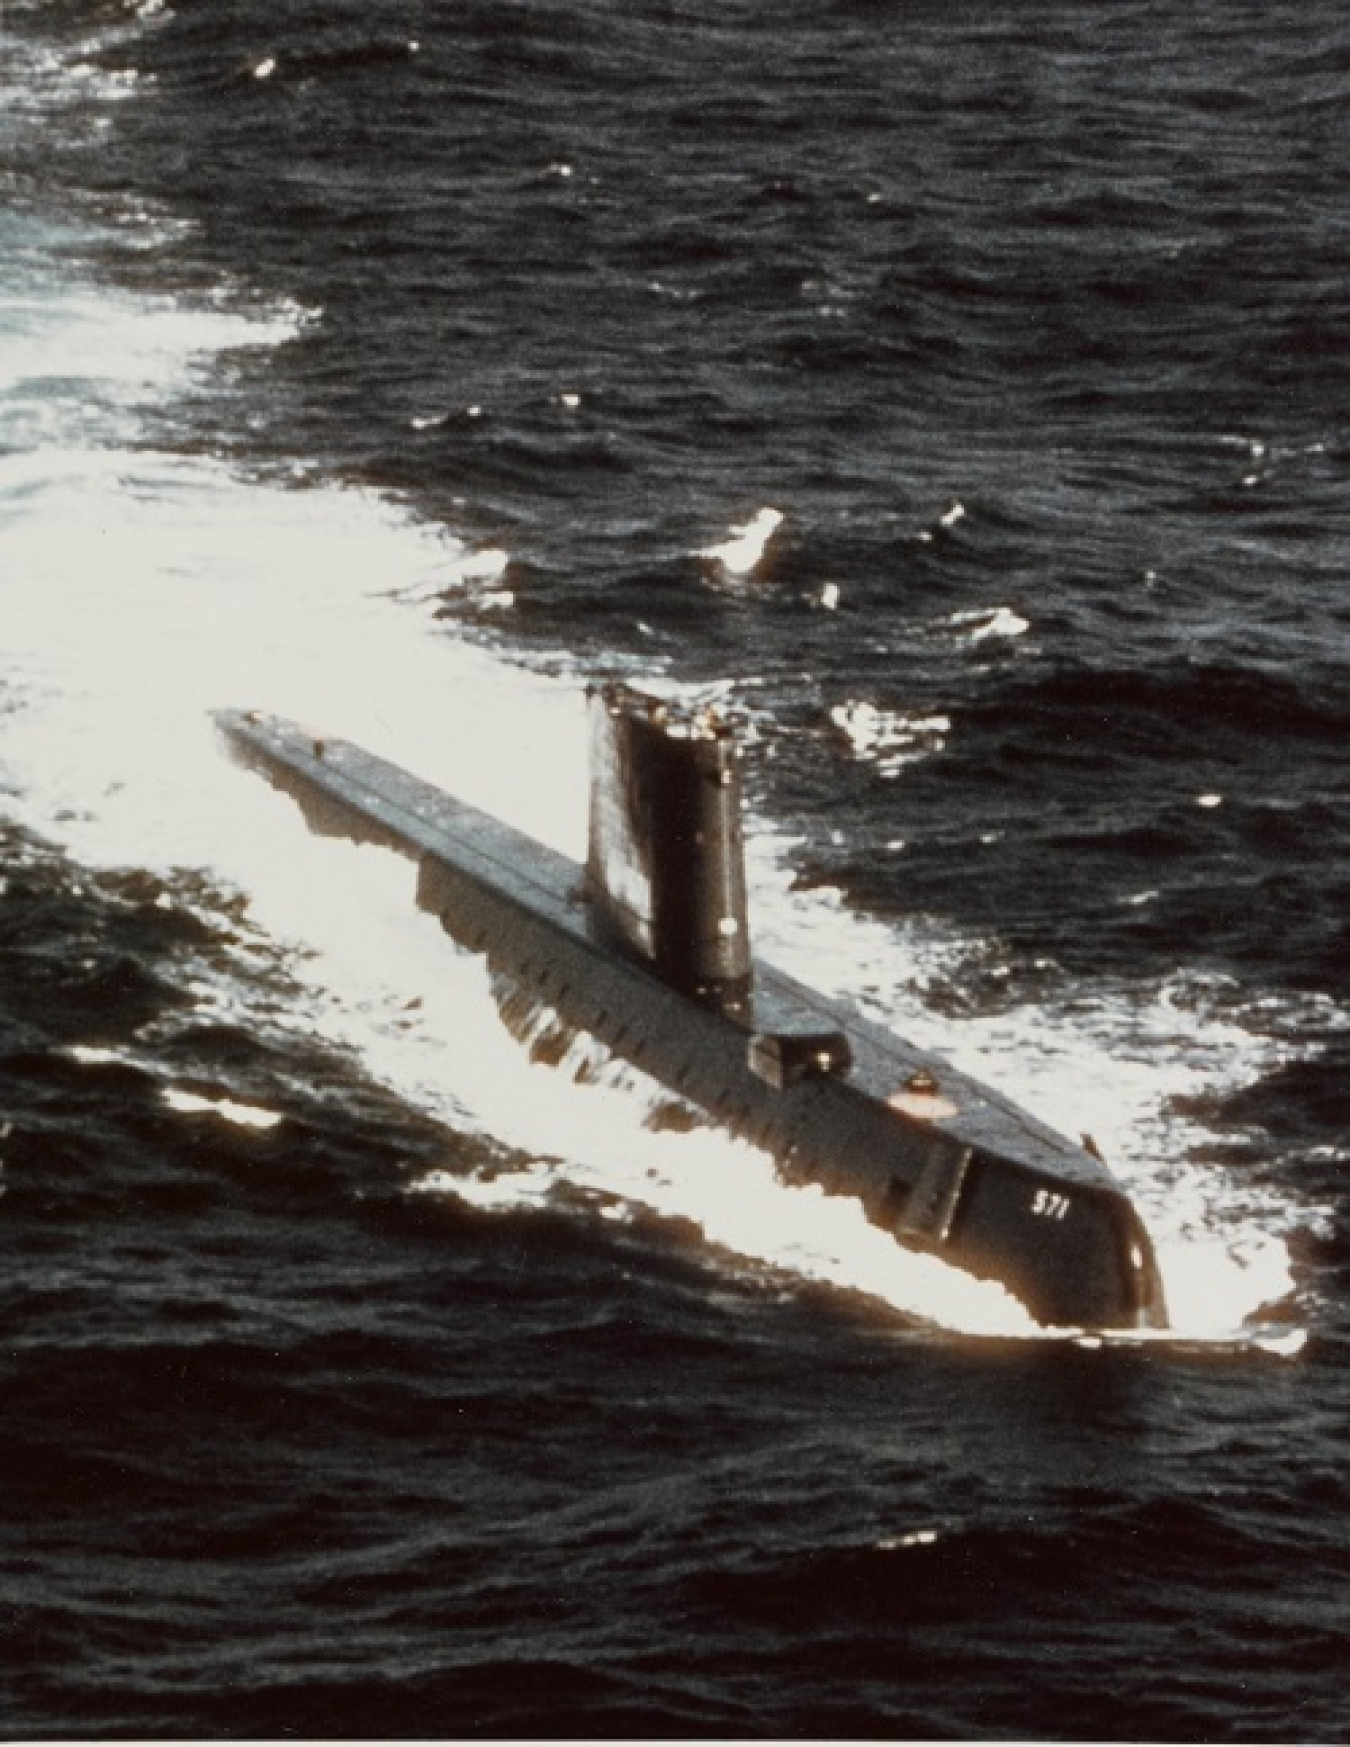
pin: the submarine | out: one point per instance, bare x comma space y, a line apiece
647, 949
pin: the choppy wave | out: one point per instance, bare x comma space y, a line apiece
385, 372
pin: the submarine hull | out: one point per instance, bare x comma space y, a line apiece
939, 1160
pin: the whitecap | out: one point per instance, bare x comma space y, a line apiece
743, 551
987, 622
890, 739
227, 1109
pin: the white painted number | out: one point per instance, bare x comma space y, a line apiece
1048, 1204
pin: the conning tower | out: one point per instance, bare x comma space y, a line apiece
665, 869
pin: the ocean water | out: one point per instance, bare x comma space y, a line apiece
960, 396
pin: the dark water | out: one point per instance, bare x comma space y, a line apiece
403, 363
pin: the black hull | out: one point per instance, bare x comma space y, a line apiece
941, 1161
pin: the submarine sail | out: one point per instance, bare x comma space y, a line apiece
666, 862
647, 948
